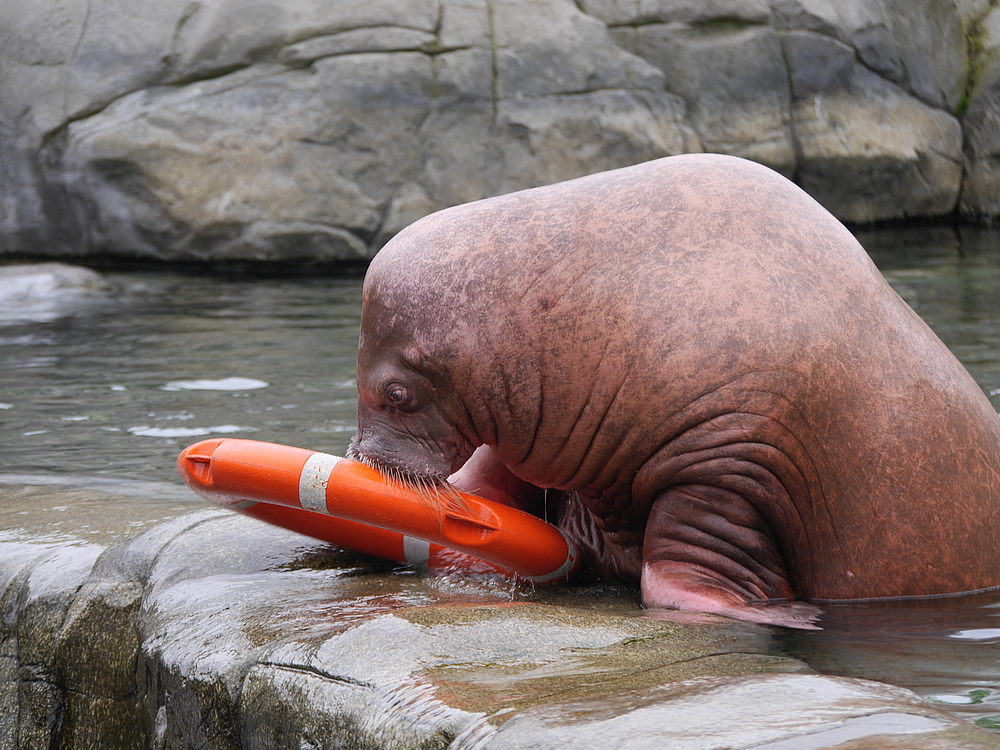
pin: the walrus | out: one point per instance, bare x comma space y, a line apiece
719, 393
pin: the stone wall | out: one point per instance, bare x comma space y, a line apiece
316, 129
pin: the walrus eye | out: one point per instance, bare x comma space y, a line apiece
397, 395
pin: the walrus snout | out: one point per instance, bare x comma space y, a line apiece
407, 455
394, 459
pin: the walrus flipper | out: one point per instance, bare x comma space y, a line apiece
707, 549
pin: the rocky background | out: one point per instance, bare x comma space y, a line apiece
315, 129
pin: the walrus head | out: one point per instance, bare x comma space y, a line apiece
404, 425
411, 423
459, 315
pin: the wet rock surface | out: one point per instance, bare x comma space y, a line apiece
46, 291
305, 131
134, 622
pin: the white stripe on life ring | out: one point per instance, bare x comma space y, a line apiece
416, 551
313, 480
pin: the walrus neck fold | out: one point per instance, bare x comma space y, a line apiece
749, 438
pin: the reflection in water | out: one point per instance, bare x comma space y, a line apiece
946, 650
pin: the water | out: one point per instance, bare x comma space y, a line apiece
111, 390
947, 651
118, 387
953, 282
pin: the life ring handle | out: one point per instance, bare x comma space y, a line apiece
352, 505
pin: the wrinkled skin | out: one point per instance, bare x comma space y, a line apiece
734, 407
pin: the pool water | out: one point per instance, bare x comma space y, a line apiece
119, 386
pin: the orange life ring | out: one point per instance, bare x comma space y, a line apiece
350, 504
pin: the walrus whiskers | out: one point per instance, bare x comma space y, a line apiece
435, 491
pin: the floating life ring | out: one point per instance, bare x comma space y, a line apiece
350, 504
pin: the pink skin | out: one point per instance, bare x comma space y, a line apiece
735, 409
483, 475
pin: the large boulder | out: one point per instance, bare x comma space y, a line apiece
313, 131
867, 149
46, 291
854, 100
918, 45
732, 77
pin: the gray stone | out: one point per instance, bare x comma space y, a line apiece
919, 46
981, 123
47, 593
981, 188
104, 723
311, 131
102, 668
219, 36
33, 282
265, 166
307, 709
733, 81
357, 41
68, 642
639, 12
529, 65
779, 712
900, 157
46, 291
